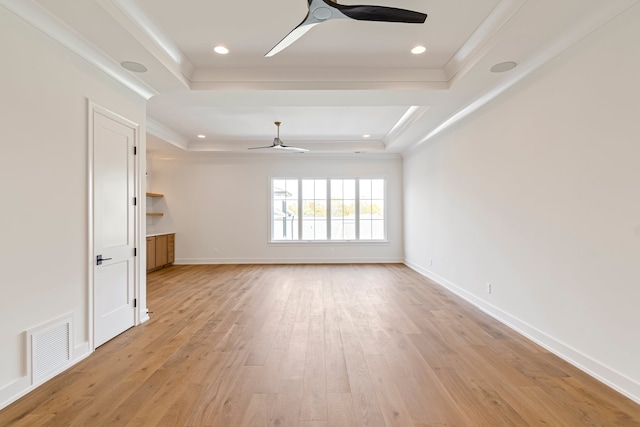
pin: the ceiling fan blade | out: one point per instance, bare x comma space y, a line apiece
294, 149
294, 35
260, 148
382, 13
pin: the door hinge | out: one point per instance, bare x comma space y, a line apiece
135, 150
135, 251
135, 201
135, 302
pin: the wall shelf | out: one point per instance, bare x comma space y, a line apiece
154, 195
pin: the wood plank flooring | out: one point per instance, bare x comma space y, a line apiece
315, 346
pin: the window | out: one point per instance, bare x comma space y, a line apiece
314, 209
328, 209
371, 209
284, 223
343, 209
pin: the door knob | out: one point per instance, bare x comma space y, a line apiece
99, 259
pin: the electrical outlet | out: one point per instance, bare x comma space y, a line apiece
488, 287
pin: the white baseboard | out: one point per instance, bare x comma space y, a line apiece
22, 386
320, 260
81, 351
145, 317
617, 381
13, 391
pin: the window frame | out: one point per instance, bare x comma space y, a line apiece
328, 219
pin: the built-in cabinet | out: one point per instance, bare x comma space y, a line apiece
151, 253
160, 251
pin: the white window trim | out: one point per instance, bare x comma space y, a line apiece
300, 241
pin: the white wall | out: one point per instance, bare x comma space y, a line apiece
218, 205
43, 187
539, 194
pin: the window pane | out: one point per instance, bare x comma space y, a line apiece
350, 229
285, 229
285, 209
377, 229
337, 230
308, 210
343, 209
308, 230
314, 209
320, 228
349, 188
377, 188
337, 209
320, 209
365, 209
308, 188
336, 189
321, 189
279, 186
371, 205
365, 230
377, 209
365, 189
350, 209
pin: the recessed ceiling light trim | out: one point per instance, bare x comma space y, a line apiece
503, 67
418, 50
201, 136
221, 50
134, 67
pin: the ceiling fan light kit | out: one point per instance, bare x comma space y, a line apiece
326, 10
279, 145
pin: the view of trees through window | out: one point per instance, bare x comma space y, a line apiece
328, 209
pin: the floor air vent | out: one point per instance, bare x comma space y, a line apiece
50, 348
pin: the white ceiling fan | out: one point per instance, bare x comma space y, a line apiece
278, 145
326, 10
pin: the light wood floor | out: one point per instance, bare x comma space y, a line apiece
338, 345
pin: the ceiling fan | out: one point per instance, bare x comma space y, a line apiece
326, 10
278, 145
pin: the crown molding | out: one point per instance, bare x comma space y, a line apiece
411, 116
167, 134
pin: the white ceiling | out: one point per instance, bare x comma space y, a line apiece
341, 80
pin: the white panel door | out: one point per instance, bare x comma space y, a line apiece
114, 228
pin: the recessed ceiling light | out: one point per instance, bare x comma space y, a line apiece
503, 66
202, 136
133, 66
221, 50
418, 50
366, 135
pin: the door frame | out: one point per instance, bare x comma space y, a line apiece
140, 312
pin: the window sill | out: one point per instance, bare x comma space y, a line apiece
328, 242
